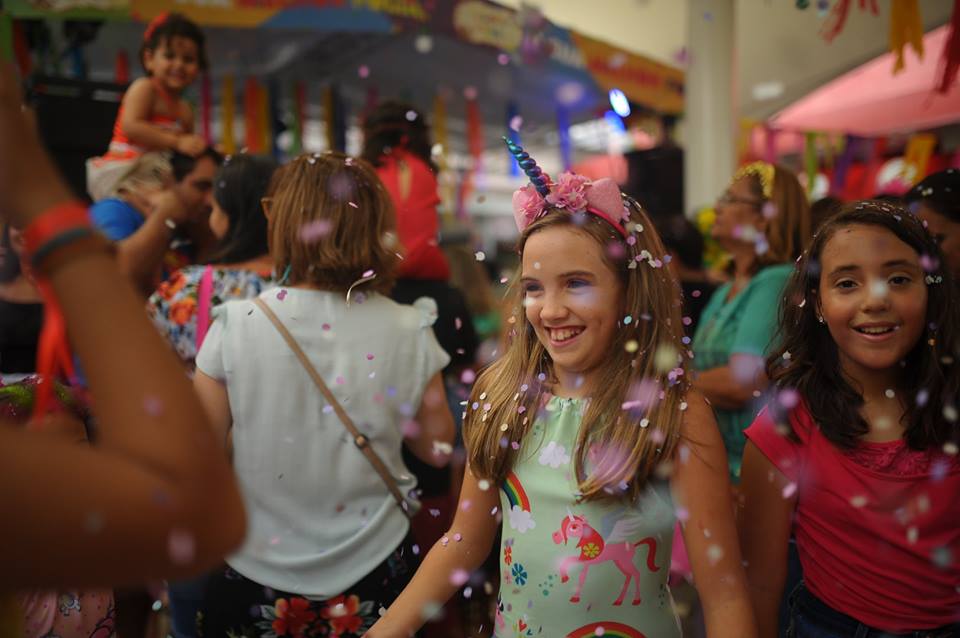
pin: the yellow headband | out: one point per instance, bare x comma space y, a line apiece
764, 171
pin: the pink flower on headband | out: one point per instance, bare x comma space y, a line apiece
569, 192
528, 204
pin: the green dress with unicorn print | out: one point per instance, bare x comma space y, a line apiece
579, 570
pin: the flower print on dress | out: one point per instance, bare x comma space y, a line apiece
554, 454
519, 574
344, 614
292, 617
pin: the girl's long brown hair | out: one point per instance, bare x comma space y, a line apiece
632, 421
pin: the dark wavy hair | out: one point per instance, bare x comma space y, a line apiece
239, 186
930, 375
393, 124
183, 165
175, 25
940, 192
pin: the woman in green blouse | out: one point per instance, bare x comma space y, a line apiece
763, 222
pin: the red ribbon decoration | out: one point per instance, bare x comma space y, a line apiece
53, 352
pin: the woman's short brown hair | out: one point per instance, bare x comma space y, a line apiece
332, 223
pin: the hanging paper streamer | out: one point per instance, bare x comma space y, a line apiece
905, 28
206, 108
770, 144
251, 120
838, 17
743, 140
263, 117
513, 123
839, 181
334, 118
6, 36
917, 156
121, 67
950, 59
339, 121
563, 131
299, 108
826, 150
273, 126
440, 129
474, 133
21, 49
326, 99
810, 160
228, 112
874, 162
78, 63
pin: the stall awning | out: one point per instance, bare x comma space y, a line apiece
871, 102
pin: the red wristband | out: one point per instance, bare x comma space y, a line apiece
55, 221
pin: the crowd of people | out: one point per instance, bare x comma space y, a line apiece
258, 392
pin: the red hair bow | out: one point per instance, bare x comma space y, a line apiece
156, 22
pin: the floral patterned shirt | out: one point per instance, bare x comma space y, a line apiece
173, 307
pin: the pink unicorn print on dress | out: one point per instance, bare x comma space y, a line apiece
594, 549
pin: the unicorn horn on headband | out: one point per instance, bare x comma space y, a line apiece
571, 192
529, 166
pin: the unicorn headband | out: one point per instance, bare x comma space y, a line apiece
571, 192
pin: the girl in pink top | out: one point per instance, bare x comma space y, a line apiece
857, 453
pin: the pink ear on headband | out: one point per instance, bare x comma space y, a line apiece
574, 193
604, 200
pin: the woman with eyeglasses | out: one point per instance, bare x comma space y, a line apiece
763, 222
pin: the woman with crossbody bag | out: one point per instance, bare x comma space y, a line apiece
319, 383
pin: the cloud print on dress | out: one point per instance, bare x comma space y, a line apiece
521, 520
554, 455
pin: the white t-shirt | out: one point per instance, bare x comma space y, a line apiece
320, 517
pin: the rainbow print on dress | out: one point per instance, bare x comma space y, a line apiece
515, 493
607, 630
519, 516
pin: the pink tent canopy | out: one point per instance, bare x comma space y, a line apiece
869, 101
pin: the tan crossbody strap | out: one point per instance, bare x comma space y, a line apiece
359, 439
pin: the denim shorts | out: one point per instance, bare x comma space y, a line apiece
810, 617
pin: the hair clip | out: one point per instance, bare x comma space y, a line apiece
763, 171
